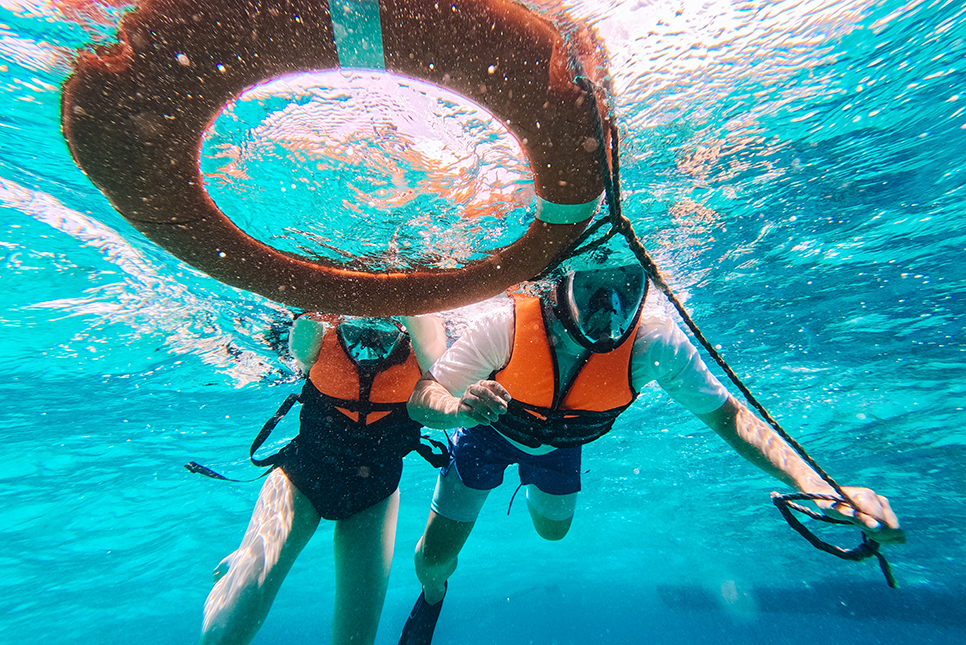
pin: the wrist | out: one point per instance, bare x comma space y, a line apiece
811, 482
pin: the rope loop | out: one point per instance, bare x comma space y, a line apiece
619, 224
866, 549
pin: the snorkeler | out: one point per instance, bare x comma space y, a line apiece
344, 465
532, 385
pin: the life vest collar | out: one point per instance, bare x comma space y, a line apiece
365, 393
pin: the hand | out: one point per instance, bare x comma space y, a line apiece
874, 515
483, 403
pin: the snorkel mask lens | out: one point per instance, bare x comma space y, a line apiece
599, 307
369, 341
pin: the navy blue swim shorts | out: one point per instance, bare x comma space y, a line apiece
481, 454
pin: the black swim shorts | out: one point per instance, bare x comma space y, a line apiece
339, 490
340, 474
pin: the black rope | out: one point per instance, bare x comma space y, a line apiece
867, 549
514, 496
575, 249
266, 430
610, 174
195, 467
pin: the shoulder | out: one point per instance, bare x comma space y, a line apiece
305, 340
489, 333
427, 335
483, 347
308, 327
663, 353
497, 321
661, 350
657, 330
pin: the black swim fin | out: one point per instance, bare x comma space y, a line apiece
422, 622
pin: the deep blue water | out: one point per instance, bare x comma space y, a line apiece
796, 170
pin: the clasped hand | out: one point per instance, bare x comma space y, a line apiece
483, 403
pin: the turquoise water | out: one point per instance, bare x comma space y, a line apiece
795, 168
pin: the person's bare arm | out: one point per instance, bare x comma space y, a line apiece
432, 405
305, 340
757, 442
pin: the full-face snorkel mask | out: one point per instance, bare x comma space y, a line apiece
369, 341
599, 307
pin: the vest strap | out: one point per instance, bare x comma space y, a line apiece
425, 450
534, 426
267, 430
436, 459
195, 467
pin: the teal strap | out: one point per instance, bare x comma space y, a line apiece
358, 33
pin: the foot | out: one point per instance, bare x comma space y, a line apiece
422, 622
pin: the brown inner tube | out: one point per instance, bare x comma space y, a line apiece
133, 115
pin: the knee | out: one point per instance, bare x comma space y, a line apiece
431, 565
237, 632
552, 530
552, 515
222, 569
236, 604
212, 636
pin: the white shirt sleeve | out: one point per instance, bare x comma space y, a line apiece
483, 349
664, 354
427, 334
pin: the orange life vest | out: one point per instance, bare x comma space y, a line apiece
543, 410
354, 413
365, 395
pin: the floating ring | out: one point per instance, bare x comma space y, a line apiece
134, 114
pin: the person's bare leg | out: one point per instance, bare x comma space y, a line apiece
247, 581
436, 553
363, 555
552, 515
443, 538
